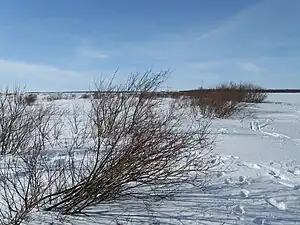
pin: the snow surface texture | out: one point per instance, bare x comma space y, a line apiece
260, 186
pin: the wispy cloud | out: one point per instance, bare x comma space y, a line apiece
42, 77
92, 53
234, 22
250, 67
24, 68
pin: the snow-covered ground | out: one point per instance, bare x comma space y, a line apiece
260, 183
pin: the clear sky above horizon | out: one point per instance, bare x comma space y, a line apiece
67, 44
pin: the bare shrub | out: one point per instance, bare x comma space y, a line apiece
58, 96
97, 95
85, 96
254, 93
16, 126
174, 95
79, 129
30, 99
28, 173
21, 187
23, 169
19, 122
138, 148
73, 96
130, 144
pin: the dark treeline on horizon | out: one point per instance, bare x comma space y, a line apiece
179, 92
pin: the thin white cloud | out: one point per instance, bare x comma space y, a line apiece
91, 53
87, 48
41, 77
19, 68
240, 19
206, 65
250, 67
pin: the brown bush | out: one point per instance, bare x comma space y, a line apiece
243, 92
225, 100
217, 104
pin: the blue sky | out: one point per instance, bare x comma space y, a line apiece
67, 44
